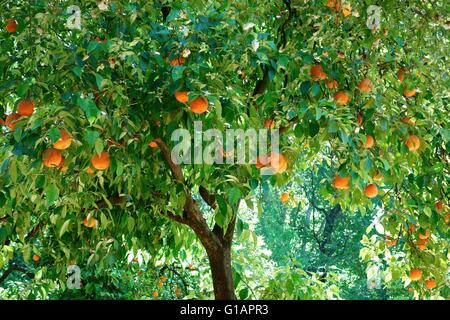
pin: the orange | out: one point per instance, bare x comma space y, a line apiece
346, 10
11, 26
163, 279
177, 291
401, 74
424, 236
160, 284
447, 218
155, 294
51, 158
340, 182
390, 242
11, 120
430, 283
422, 244
317, 72
269, 124
90, 223
360, 119
412, 228
439, 205
370, 142
341, 98
365, 85
182, 96
284, 197
371, 191
262, 161
278, 162
413, 143
177, 61
36, 258
415, 274
199, 105
89, 170
332, 84
153, 144
64, 141
26, 107
101, 162
409, 93
378, 176
407, 120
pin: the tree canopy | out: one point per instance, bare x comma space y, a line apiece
92, 94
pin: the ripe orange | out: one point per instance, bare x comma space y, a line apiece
341, 98
365, 85
178, 61
155, 294
401, 74
413, 143
409, 93
153, 144
378, 176
11, 120
262, 161
317, 72
51, 158
346, 10
284, 197
160, 284
163, 279
407, 120
422, 244
101, 162
340, 182
89, 170
177, 291
332, 84
424, 236
36, 258
430, 283
370, 142
182, 96
269, 124
415, 274
26, 107
439, 205
371, 191
447, 218
412, 228
199, 105
91, 223
64, 141
11, 26
278, 162
390, 242
360, 119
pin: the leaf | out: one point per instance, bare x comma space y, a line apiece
130, 224
54, 134
99, 146
89, 108
99, 81
64, 228
234, 195
51, 193
243, 294
92, 136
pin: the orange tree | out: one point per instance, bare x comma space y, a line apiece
92, 96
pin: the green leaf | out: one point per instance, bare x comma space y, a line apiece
64, 228
51, 193
89, 108
234, 195
92, 136
54, 134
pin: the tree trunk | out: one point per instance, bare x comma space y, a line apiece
221, 271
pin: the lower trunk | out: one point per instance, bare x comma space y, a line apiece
222, 274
